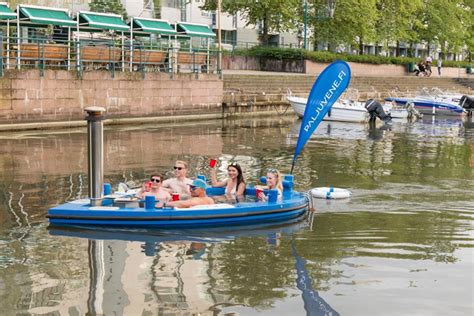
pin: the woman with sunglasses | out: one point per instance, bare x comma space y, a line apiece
180, 183
154, 187
234, 184
274, 182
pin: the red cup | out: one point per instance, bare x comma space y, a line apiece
212, 163
148, 185
257, 192
175, 197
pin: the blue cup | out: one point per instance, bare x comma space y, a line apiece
150, 202
107, 188
272, 196
149, 248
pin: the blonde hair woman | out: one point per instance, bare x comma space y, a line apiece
274, 182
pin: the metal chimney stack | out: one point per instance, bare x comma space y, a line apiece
95, 150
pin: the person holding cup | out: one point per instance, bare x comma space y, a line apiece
180, 183
154, 187
198, 196
234, 184
274, 182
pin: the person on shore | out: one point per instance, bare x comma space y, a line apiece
198, 196
154, 187
234, 184
180, 183
420, 70
274, 182
439, 64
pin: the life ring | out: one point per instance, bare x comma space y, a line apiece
330, 193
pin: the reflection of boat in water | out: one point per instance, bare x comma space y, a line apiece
197, 234
338, 130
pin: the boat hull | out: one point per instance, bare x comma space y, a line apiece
339, 112
430, 107
79, 213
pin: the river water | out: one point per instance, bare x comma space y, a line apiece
402, 245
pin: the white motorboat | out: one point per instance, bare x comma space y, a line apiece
346, 110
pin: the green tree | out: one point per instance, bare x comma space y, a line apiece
441, 23
108, 6
395, 21
468, 22
353, 23
269, 15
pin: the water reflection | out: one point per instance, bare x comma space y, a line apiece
190, 271
405, 238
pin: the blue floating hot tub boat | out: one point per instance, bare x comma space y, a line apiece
82, 213
100, 210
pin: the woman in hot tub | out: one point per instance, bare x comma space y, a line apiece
234, 184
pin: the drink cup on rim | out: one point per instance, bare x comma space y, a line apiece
212, 163
175, 197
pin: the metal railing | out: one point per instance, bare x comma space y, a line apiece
102, 54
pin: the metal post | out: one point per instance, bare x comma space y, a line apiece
95, 149
219, 39
305, 22
18, 40
131, 45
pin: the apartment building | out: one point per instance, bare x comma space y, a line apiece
234, 31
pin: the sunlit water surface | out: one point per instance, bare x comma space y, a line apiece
402, 245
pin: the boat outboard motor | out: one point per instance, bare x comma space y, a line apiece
375, 109
467, 102
412, 112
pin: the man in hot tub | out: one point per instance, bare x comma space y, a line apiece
198, 196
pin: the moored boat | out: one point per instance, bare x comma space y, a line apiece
346, 110
114, 212
104, 209
434, 102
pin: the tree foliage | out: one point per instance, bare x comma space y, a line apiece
447, 24
268, 16
108, 6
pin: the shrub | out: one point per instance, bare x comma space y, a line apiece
327, 57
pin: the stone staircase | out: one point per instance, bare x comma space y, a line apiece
243, 90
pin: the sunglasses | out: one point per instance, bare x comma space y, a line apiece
192, 187
155, 180
272, 170
178, 168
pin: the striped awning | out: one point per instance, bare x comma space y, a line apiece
45, 16
195, 30
153, 26
103, 21
5, 12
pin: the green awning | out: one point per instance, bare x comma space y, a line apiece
198, 30
153, 26
45, 16
103, 21
6, 13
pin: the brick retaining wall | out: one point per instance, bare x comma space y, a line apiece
59, 95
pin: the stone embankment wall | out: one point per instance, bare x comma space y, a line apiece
61, 96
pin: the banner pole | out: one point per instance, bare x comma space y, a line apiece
293, 165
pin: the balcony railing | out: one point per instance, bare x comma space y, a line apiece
87, 55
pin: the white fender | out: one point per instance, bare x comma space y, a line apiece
330, 193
